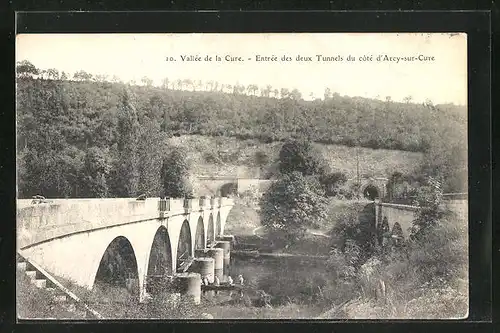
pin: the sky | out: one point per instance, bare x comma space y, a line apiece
133, 56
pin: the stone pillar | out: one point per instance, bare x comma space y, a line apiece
227, 238
205, 267
189, 284
226, 247
218, 256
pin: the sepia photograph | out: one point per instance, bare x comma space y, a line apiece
264, 176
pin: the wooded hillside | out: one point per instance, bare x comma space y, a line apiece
69, 131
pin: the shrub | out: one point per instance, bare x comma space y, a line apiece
332, 183
432, 209
261, 158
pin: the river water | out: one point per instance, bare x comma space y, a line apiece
283, 279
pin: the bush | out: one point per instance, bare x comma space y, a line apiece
424, 278
333, 182
432, 209
352, 226
261, 158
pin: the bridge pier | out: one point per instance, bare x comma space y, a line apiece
226, 255
205, 267
226, 238
189, 284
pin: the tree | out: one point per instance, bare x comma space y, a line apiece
295, 94
252, 89
146, 81
94, 174
407, 99
284, 92
175, 173
81, 75
126, 170
150, 154
291, 205
301, 156
26, 69
164, 83
327, 94
431, 208
52, 74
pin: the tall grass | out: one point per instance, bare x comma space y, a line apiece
424, 279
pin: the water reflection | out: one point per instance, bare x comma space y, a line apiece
276, 281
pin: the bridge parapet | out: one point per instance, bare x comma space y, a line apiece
56, 218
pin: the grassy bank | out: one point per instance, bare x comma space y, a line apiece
231, 156
36, 303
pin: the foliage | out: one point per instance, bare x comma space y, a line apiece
59, 119
261, 158
333, 183
401, 187
301, 156
431, 208
95, 170
126, 173
425, 278
150, 154
291, 205
175, 173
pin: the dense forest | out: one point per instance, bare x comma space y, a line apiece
86, 135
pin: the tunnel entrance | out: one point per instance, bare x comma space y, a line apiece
184, 246
229, 189
160, 261
371, 192
199, 242
117, 272
210, 231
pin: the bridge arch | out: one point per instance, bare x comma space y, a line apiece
118, 268
199, 241
184, 245
160, 257
210, 230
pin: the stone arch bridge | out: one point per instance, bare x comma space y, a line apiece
128, 240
